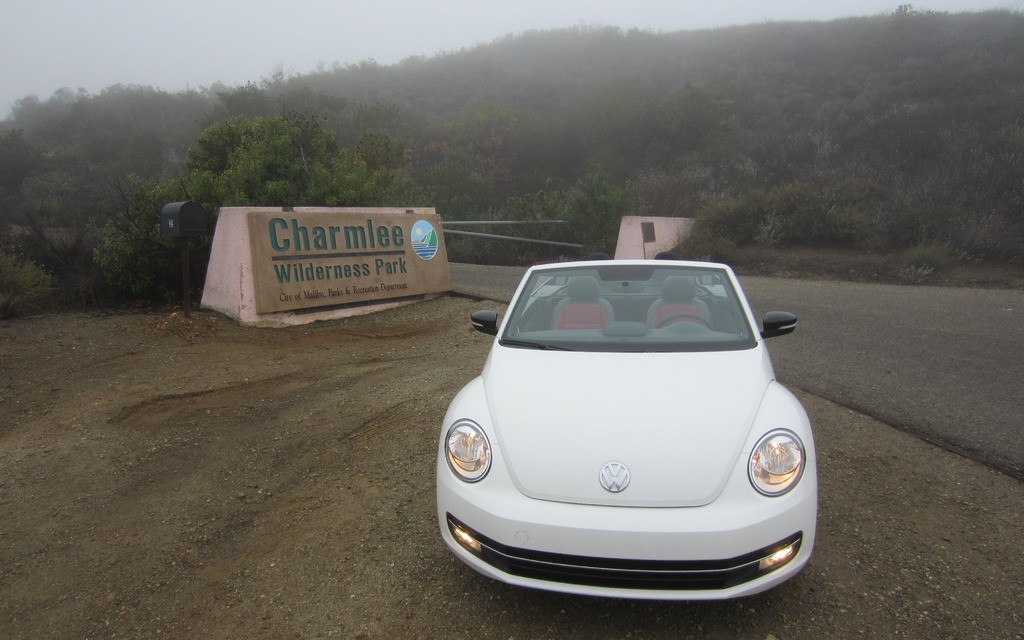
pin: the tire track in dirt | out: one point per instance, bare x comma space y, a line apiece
172, 410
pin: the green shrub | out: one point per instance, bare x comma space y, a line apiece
922, 225
846, 227
928, 254
920, 261
703, 242
732, 220
66, 254
24, 287
914, 274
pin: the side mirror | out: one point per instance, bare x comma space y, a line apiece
485, 322
778, 323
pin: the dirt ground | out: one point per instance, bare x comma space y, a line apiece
171, 477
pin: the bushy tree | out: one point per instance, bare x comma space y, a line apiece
548, 204
463, 167
282, 161
275, 161
19, 161
133, 255
595, 209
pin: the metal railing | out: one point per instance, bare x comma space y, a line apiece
511, 223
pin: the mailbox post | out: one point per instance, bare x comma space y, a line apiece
183, 220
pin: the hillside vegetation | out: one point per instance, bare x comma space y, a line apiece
891, 134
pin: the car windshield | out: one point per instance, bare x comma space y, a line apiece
629, 307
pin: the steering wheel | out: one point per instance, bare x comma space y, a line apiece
692, 317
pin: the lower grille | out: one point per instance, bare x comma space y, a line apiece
668, 575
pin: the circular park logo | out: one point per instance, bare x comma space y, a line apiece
424, 240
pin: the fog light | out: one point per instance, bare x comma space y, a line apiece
467, 540
777, 559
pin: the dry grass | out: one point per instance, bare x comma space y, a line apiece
859, 266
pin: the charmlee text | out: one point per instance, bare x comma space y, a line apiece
292, 236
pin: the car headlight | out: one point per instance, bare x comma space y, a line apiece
776, 463
467, 450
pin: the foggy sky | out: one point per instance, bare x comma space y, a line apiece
89, 45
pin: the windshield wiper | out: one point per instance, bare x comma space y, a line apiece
531, 345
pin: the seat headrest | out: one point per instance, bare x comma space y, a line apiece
583, 289
678, 289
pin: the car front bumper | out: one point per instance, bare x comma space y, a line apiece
740, 544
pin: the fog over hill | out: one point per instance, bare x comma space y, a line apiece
884, 133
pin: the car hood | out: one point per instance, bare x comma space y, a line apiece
677, 421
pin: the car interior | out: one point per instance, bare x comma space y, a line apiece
627, 304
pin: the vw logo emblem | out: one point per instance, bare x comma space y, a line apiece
614, 477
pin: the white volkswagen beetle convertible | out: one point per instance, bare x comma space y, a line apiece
627, 438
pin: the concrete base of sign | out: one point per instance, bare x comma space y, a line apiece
641, 238
230, 285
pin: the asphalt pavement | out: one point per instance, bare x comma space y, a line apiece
942, 363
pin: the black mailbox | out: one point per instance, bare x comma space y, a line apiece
182, 220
